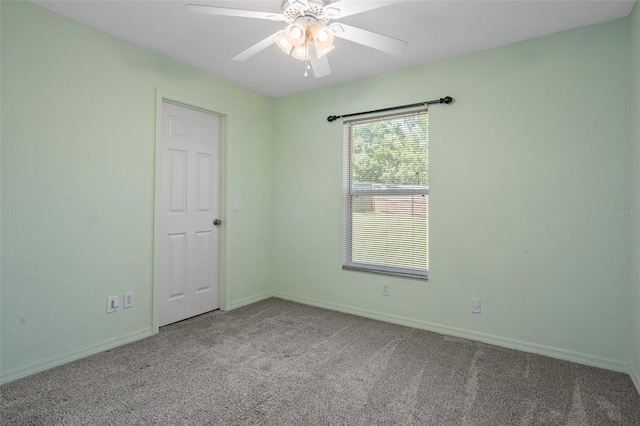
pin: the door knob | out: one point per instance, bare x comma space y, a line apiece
217, 222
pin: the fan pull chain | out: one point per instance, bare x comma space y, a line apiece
307, 68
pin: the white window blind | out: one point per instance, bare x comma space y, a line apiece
386, 194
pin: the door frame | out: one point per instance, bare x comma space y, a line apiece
163, 95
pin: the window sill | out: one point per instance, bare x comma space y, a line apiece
374, 270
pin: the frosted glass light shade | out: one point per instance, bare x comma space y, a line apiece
296, 33
283, 43
321, 52
296, 40
301, 52
322, 36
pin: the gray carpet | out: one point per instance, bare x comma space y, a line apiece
282, 363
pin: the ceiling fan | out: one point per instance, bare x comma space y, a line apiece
309, 35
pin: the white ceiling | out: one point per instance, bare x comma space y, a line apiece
435, 30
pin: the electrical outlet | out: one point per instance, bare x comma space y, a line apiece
475, 306
112, 304
127, 300
386, 289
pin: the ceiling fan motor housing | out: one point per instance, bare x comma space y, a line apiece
293, 10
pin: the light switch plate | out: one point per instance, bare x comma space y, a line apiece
112, 304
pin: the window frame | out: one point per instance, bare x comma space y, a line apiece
349, 193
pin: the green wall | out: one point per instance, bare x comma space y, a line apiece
533, 171
635, 251
78, 146
526, 169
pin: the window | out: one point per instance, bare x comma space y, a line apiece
386, 193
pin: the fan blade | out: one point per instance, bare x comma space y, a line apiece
240, 13
368, 38
320, 66
256, 48
342, 8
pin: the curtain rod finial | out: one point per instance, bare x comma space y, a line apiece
446, 100
332, 118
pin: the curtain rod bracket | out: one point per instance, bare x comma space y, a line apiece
445, 100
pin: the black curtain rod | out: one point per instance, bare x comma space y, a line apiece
445, 100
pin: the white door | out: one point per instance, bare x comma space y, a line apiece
189, 240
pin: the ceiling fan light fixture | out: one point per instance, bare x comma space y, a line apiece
282, 42
301, 52
320, 52
322, 36
296, 33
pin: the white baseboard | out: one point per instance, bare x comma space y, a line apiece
249, 300
580, 358
606, 363
18, 373
635, 377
